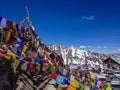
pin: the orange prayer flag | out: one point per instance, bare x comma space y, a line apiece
45, 66
71, 88
24, 48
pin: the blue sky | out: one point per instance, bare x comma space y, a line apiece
85, 24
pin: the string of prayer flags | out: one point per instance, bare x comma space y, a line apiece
21, 45
24, 42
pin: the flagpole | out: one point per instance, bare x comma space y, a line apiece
28, 13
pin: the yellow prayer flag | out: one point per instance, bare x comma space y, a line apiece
8, 34
14, 56
71, 71
93, 84
87, 87
38, 67
24, 66
109, 88
14, 26
64, 71
8, 55
16, 64
91, 76
75, 83
78, 74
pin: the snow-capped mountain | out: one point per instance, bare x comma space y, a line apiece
72, 55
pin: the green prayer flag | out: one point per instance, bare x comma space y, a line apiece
50, 69
12, 62
27, 52
61, 69
105, 86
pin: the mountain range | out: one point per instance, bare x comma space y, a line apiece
76, 56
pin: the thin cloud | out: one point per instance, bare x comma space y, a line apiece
83, 18
99, 47
83, 47
102, 47
105, 47
118, 49
73, 47
90, 18
89, 46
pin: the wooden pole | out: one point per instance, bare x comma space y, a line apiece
30, 23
